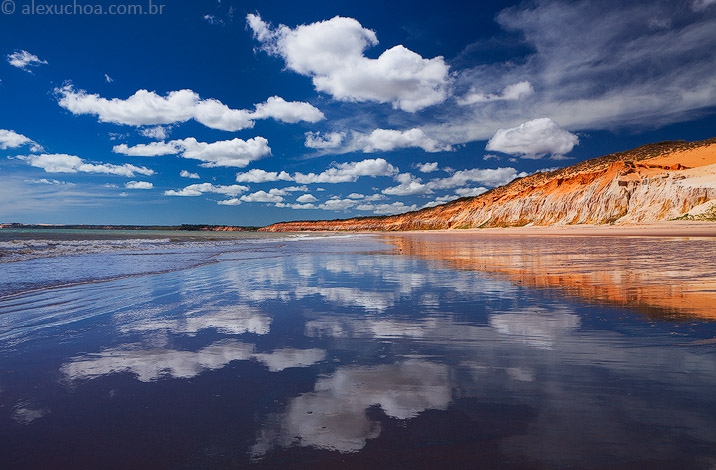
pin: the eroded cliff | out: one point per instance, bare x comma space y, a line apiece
652, 183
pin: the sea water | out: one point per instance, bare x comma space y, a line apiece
164, 350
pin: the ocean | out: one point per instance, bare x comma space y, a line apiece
186, 350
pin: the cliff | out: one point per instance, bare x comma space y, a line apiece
656, 182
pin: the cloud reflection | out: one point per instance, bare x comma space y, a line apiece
539, 329
152, 364
333, 416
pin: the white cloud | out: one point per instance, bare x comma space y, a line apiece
348, 172
389, 139
234, 201
316, 140
156, 132
331, 53
152, 149
227, 153
11, 139
296, 206
298, 188
201, 188
141, 109
427, 167
512, 92
23, 60
139, 185
490, 177
337, 204
306, 198
467, 192
216, 115
386, 209
50, 182
63, 163
147, 108
441, 200
257, 175
409, 186
533, 139
187, 174
274, 195
290, 112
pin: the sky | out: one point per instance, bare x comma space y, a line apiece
242, 112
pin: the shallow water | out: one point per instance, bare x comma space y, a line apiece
346, 353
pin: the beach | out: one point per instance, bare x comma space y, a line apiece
586, 347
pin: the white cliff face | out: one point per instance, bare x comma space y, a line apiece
649, 184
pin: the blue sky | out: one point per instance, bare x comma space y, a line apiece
253, 112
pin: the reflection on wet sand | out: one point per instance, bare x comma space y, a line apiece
334, 416
656, 275
350, 356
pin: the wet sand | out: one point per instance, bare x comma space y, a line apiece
662, 270
658, 229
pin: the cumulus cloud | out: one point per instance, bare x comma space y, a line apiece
409, 186
388, 139
274, 195
24, 60
225, 153
348, 172
139, 185
306, 198
11, 139
257, 175
290, 112
187, 174
63, 163
331, 52
199, 189
337, 204
491, 177
427, 167
533, 139
331, 140
147, 108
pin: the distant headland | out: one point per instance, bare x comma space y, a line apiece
183, 227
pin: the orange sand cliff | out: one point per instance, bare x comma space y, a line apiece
653, 183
